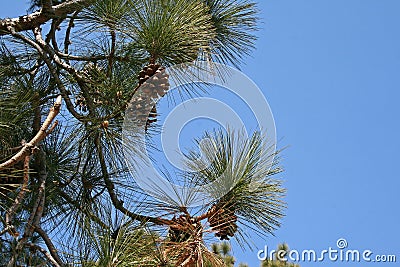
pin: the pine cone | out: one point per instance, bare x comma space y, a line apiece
152, 117
147, 72
223, 220
184, 228
153, 81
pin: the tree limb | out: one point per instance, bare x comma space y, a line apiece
45, 253
34, 217
35, 19
17, 202
48, 7
28, 147
49, 244
118, 204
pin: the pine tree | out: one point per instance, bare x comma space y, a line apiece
223, 250
68, 73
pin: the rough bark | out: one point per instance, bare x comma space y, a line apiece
35, 19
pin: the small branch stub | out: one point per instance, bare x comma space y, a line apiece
105, 124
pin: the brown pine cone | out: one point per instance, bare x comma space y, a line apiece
223, 221
153, 81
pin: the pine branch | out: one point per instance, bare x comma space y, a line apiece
52, 69
28, 148
44, 252
49, 244
67, 40
35, 19
76, 205
112, 53
51, 35
36, 214
17, 202
48, 7
118, 204
47, 48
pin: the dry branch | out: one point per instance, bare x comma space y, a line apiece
28, 147
18, 200
44, 252
52, 249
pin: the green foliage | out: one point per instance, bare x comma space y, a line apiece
171, 31
243, 168
233, 21
80, 196
223, 250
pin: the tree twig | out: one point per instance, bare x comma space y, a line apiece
53, 72
17, 202
112, 53
67, 40
45, 253
28, 147
49, 244
79, 79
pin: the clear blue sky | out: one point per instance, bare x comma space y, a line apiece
331, 73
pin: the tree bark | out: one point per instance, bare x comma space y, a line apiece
28, 147
35, 19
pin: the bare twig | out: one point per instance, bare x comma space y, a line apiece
49, 244
45, 253
27, 148
51, 36
17, 202
67, 40
112, 53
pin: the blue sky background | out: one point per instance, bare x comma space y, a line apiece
330, 71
